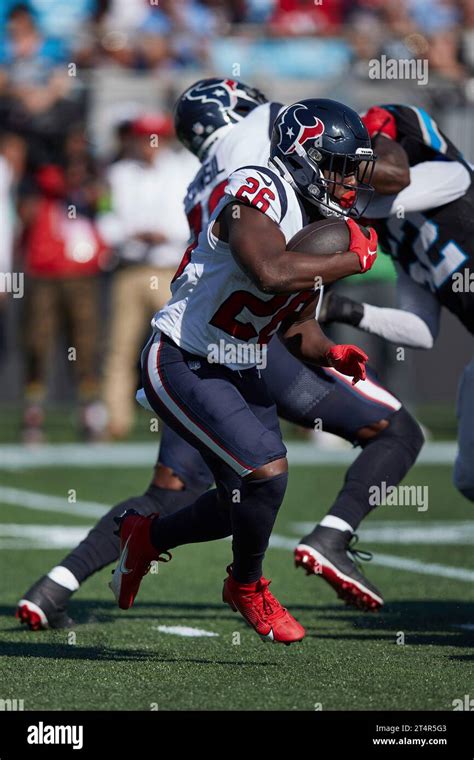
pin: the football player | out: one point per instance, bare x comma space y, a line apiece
239, 284
424, 212
208, 122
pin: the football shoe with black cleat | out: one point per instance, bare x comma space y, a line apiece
330, 553
44, 606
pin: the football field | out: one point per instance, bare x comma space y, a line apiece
180, 648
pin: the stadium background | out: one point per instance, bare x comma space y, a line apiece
135, 57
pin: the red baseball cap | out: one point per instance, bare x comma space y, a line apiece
51, 181
153, 124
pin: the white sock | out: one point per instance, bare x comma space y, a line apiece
335, 522
64, 577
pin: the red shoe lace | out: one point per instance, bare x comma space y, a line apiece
271, 607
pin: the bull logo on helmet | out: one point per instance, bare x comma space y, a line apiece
293, 131
221, 92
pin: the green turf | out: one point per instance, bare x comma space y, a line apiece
351, 661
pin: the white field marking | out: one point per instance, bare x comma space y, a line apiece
183, 630
56, 504
21, 536
17, 457
17, 497
13, 536
397, 563
456, 532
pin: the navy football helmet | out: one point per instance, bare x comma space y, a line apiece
209, 107
322, 148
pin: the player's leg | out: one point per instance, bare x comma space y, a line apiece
128, 320
39, 335
180, 477
389, 446
366, 415
81, 307
232, 420
464, 465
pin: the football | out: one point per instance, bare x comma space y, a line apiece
325, 236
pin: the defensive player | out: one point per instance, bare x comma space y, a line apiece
424, 209
207, 121
240, 268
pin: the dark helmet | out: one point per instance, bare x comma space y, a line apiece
316, 144
209, 107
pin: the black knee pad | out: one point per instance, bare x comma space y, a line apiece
405, 428
274, 487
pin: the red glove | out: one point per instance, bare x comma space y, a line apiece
364, 247
379, 121
349, 360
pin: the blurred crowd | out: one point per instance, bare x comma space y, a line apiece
96, 241
99, 237
40, 35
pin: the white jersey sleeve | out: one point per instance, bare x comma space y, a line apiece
432, 184
263, 189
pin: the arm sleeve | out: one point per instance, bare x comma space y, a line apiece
432, 184
415, 323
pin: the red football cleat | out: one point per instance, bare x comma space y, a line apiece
136, 555
261, 610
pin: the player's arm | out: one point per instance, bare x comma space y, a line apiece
392, 169
305, 339
259, 247
432, 184
415, 323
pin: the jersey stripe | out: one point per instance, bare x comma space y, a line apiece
367, 388
429, 128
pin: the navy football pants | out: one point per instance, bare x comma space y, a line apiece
303, 396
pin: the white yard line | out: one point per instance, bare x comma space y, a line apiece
44, 503
395, 562
183, 630
51, 536
455, 532
13, 536
36, 536
17, 457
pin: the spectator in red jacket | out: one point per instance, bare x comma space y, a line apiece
62, 254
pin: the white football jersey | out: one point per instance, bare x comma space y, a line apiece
214, 303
